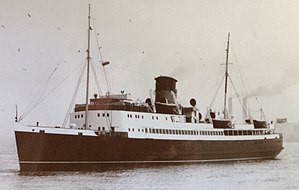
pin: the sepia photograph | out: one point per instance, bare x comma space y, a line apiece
149, 94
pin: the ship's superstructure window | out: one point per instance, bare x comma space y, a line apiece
245, 132
103, 114
81, 115
181, 132
108, 115
75, 116
99, 115
201, 133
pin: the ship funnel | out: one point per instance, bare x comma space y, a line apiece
166, 95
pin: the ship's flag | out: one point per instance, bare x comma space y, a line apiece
105, 63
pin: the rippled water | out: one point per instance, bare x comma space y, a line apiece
282, 173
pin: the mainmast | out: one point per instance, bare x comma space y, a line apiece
226, 76
87, 77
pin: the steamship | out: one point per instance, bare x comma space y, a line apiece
113, 130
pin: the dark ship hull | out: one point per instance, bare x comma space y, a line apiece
57, 152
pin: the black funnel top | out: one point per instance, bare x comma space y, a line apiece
165, 83
165, 89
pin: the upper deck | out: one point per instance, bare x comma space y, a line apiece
114, 102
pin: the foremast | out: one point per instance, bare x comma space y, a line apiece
87, 76
226, 76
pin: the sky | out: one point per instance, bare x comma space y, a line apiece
143, 39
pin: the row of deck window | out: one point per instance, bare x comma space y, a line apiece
99, 115
176, 132
142, 117
136, 116
78, 116
193, 132
249, 132
104, 115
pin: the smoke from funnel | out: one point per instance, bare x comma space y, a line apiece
289, 79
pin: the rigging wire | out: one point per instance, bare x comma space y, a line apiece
43, 98
238, 96
96, 78
107, 81
97, 40
218, 88
103, 66
240, 73
101, 55
74, 97
245, 90
215, 85
40, 94
263, 115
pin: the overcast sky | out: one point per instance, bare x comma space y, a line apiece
143, 39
